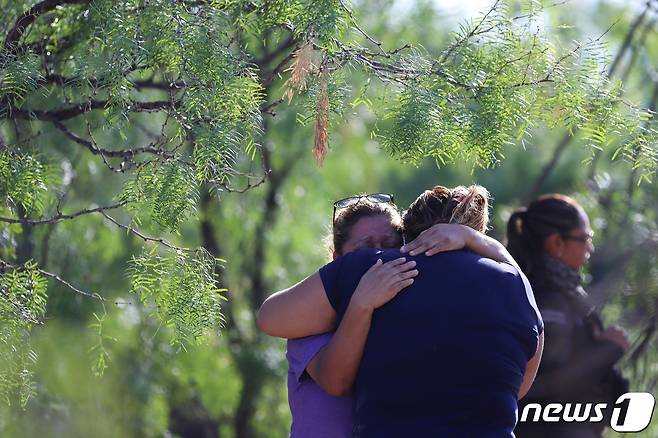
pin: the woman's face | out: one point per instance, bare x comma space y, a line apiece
577, 244
372, 232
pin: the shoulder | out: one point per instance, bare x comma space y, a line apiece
349, 262
340, 277
481, 266
512, 281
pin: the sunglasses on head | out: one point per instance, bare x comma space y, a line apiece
376, 198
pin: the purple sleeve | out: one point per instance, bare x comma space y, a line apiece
302, 350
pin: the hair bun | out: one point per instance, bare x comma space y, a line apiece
472, 207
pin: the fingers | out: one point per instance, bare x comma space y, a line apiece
414, 244
435, 250
421, 248
396, 262
398, 265
406, 275
429, 244
399, 274
403, 284
419, 245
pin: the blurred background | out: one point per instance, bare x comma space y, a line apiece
235, 384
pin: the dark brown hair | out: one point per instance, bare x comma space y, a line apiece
460, 205
528, 228
347, 217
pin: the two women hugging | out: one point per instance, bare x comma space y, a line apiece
437, 337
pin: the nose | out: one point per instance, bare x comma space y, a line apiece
590, 246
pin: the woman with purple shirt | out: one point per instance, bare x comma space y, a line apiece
369, 221
322, 368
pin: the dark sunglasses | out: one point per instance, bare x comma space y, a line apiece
377, 198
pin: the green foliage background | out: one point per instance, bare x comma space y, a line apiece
132, 368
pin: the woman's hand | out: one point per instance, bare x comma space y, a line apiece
382, 283
451, 237
440, 238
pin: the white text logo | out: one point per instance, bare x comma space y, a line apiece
631, 412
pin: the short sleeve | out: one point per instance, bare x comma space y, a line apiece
341, 277
302, 350
533, 303
330, 276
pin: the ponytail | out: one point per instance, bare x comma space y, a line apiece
528, 228
517, 246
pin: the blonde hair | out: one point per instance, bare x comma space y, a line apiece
461, 205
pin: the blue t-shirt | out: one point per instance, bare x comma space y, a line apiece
445, 357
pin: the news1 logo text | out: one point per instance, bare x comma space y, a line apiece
631, 412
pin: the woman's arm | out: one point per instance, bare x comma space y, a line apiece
304, 309
449, 237
301, 310
531, 369
335, 366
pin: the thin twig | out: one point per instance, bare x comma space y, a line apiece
378, 44
144, 237
61, 217
4, 265
60, 114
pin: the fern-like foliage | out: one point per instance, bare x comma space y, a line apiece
25, 181
206, 71
19, 76
180, 288
167, 193
22, 305
500, 77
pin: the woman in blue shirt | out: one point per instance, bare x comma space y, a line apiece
322, 303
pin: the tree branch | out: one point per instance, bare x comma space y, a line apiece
276, 72
123, 153
61, 217
4, 265
629, 38
376, 43
144, 237
60, 114
96, 83
566, 139
28, 17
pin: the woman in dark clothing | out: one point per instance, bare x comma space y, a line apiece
449, 356
551, 240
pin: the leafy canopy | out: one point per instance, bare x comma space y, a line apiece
89, 72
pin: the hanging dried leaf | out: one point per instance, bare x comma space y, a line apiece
301, 66
322, 121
